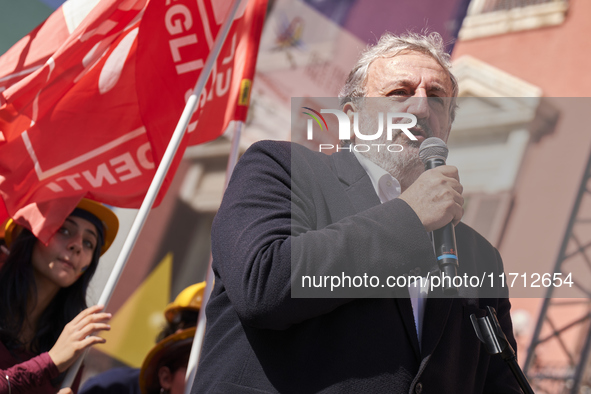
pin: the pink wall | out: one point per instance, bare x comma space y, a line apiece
556, 59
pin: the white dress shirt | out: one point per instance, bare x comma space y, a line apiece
388, 188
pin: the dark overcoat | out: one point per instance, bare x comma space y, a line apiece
288, 208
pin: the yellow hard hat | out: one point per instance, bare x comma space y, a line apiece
190, 298
178, 343
105, 215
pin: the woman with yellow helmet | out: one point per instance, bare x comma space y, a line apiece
44, 320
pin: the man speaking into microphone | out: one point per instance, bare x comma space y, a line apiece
293, 221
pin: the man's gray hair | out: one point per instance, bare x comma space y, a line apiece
390, 45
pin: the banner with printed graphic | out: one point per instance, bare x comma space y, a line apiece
92, 114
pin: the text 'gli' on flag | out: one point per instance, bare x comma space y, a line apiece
88, 111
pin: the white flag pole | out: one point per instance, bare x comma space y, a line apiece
202, 320
156, 184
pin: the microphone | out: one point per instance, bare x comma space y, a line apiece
433, 153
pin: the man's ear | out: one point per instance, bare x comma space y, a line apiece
349, 108
447, 134
165, 378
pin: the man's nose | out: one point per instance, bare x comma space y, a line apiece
419, 104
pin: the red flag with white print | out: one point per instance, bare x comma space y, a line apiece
95, 118
189, 36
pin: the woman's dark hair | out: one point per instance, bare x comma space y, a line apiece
175, 358
17, 288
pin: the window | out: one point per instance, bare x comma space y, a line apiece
499, 115
492, 17
485, 6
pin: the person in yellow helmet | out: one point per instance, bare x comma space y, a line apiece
45, 324
165, 367
181, 318
183, 311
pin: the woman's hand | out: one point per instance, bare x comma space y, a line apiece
77, 335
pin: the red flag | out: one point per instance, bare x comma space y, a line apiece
227, 93
30, 53
96, 117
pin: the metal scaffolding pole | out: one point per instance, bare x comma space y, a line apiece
574, 374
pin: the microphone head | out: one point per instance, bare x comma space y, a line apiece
433, 147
